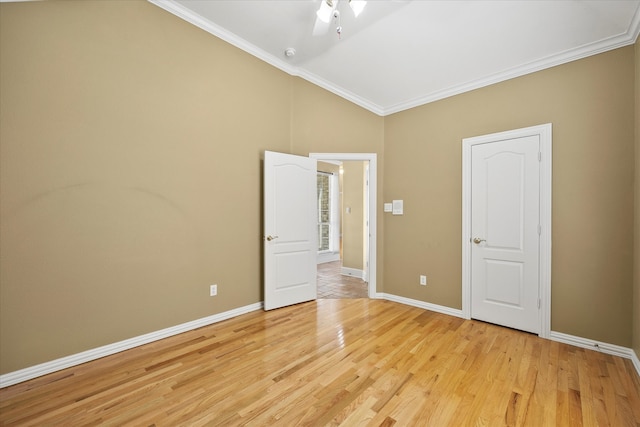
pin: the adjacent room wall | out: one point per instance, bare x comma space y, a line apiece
352, 215
591, 107
636, 253
328, 167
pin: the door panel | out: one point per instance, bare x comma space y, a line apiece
290, 224
504, 205
504, 282
505, 193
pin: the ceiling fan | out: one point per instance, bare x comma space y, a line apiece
329, 10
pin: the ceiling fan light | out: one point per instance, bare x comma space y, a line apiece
357, 6
324, 13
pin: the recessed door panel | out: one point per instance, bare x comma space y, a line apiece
504, 282
291, 270
505, 201
291, 179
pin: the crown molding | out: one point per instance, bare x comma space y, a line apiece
601, 46
208, 26
231, 38
349, 96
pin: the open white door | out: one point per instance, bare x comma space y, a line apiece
290, 227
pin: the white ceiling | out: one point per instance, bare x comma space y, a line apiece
399, 54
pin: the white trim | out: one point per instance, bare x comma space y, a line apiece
591, 344
365, 228
328, 256
340, 91
421, 304
107, 350
615, 350
372, 158
352, 272
545, 134
546, 188
624, 39
601, 46
204, 24
16, 377
636, 361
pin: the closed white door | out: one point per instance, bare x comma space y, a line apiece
505, 227
290, 227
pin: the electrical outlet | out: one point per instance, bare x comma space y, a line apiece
213, 290
423, 280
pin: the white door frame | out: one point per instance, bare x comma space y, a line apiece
373, 182
545, 134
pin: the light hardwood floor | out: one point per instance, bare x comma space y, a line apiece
338, 362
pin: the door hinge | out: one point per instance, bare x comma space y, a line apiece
539, 303
539, 156
539, 230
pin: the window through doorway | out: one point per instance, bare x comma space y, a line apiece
324, 212
328, 213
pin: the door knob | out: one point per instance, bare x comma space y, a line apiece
270, 238
478, 240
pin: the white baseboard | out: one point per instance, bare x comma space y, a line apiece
421, 304
636, 361
328, 257
612, 349
76, 359
353, 272
96, 353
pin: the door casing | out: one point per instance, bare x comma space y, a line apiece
545, 134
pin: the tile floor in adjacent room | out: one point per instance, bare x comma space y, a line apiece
332, 284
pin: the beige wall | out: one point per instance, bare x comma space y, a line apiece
131, 146
122, 128
352, 214
321, 122
130, 180
328, 167
636, 253
591, 106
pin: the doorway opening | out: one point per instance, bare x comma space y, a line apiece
346, 224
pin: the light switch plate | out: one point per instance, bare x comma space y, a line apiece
398, 207
388, 207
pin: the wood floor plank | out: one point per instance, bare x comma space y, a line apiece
337, 362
